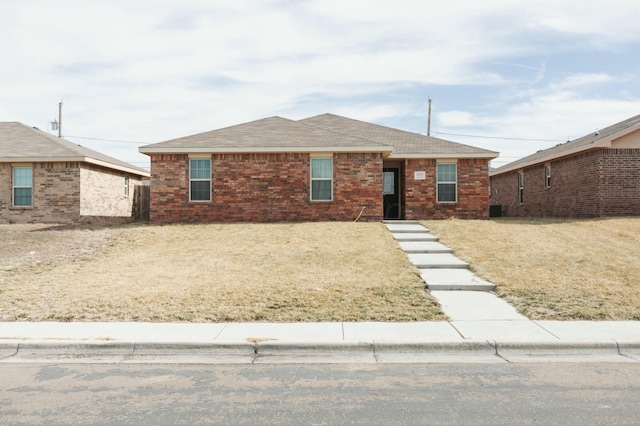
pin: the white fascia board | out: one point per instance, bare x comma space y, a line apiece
117, 167
26, 160
269, 150
487, 155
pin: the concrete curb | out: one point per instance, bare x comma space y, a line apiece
262, 351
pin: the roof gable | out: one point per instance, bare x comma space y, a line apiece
604, 138
19, 142
405, 144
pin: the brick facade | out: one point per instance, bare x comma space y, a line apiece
275, 188
70, 192
597, 183
419, 196
266, 188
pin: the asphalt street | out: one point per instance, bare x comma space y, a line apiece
107, 394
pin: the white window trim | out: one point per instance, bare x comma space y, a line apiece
312, 179
200, 180
14, 186
455, 163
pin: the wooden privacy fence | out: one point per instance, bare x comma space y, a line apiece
141, 202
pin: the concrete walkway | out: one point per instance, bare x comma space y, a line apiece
482, 328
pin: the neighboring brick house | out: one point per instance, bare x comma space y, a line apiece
46, 179
597, 175
321, 168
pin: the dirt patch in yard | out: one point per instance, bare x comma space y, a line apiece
201, 273
554, 269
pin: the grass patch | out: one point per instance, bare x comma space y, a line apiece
554, 269
213, 272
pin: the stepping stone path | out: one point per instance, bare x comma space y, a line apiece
439, 268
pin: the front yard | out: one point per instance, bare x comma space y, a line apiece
250, 272
554, 269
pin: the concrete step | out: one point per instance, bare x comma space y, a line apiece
423, 247
412, 222
454, 279
436, 261
414, 236
406, 227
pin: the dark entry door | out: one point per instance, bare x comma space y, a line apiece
391, 193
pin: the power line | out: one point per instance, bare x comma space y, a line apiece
502, 138
107, 140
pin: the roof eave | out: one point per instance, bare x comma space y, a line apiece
485, 155
79, 159
602, 143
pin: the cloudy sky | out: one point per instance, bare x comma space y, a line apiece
513, 76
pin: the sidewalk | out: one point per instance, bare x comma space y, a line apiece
492, 340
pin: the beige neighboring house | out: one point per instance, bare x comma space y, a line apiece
45, 179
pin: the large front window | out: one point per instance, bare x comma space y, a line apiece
447, 183
321, 179
200, 180
22, 186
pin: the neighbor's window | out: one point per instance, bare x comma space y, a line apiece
321, 179
547, 176
22, 186
447, 182
520, 187
126, 187
200, 180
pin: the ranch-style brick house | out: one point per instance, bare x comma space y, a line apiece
46, 179
322, 168
597, 175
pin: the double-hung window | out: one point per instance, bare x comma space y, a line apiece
22, 186
447, 182
321, 179
520, 187
547, 176
199, 179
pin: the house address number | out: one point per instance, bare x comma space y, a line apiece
419, 175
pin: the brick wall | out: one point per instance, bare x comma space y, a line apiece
102, 192
60, 197
620, 182
56, 194
266, 188
596, 183
420, 200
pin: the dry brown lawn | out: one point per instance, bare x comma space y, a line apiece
208, 273
554, 269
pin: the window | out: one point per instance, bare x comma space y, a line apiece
22, 186
199, 180
447, 182
321, 179
126, 187
520, 187
547, 176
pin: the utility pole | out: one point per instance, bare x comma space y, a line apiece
60, 119
429, 120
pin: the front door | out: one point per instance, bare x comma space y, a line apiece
391, 193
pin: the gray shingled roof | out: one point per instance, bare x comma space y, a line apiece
405, 144
270, 135
19, 142
323, 132
600, 139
